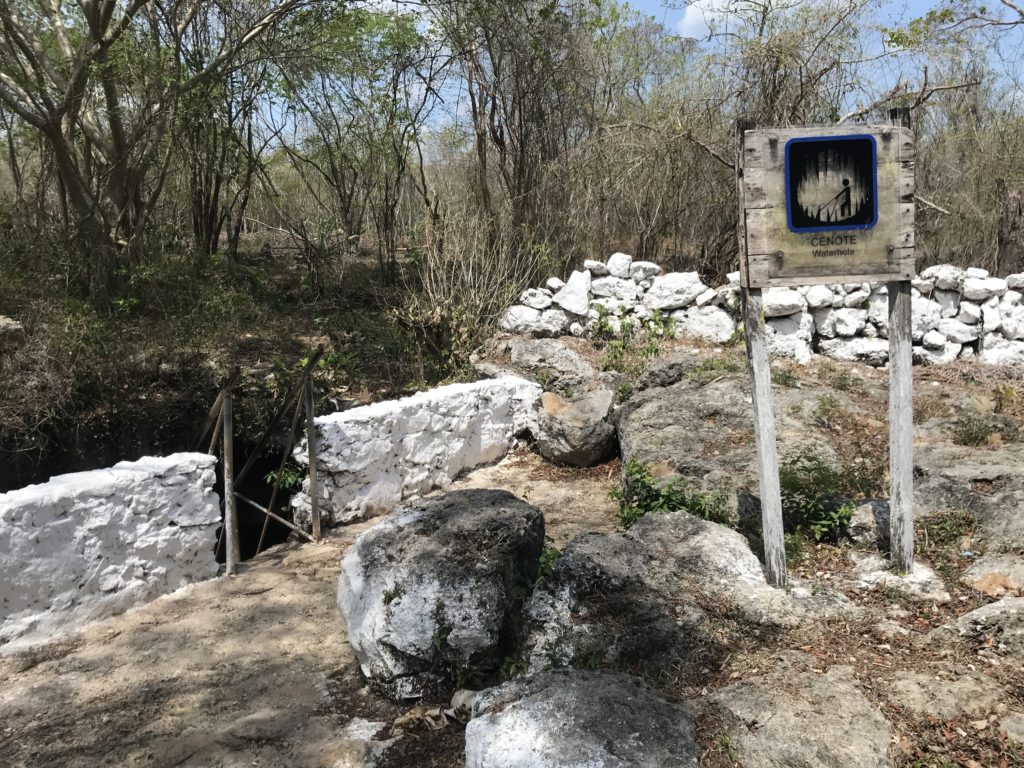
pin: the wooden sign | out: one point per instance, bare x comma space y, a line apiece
827, 205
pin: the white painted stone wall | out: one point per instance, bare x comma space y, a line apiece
957, 313
370, 458
92, 544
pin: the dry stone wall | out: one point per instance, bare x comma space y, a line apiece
92, 544
372, 457
957, 313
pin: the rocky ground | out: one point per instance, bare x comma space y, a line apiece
656, 646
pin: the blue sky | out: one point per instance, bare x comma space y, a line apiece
690, 20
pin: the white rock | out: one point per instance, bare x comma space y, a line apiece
1010, 299
922, 285
619, 264
839, 301
838, 288
643, 270
645, 285
870, 331
945, 276
878, 307
945, 354
790, 336
958, 332
999, 351
976, 272
966, 353
535, 299
981, 288
93, 544
871, 351
970, 313
554, 284
576, 330
924, 315
519, 319
710, 296
782, 302
851, 287
824, 322
595, 268
642, 313
856, 298
1016, 282
574, 296
708, 323
850, 322
1013, 322
371, 457
990, 319
674, 290
949, 301
733, 278
818, 296
612, 306
616, 288
934, 340
552, 322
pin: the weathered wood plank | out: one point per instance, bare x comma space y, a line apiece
764, 435
901, 428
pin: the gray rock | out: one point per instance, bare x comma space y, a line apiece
552, 322
850, 322
579, 719
578, 430
674, 291
1010, 299
922, 583
782, 302
996, 574
944, 276
869, 524
435, 590
824, 322
12, 334
595, 268
949, 301
619, 264
554, 361
520, 319
991, 320
996, 629
997, 350
710, 296
981, 288
933, 340
574, 296
958, 332
643, 270
535, 298
856, 298
1016, 282
976, 272
706, 323
924, 315
947, 353
970, 313
790, 336
818, 296
554, 284
954, 694
871, 351
1012, 319
795, 719
616, 288
1012, 724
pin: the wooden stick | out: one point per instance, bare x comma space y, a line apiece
233, 553
314, 502
901, 428
215, 409
279, 519
764, 435
280, 467
215, 438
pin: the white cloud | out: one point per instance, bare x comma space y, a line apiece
700, 16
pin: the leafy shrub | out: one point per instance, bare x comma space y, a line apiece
642, 495
972, 429
809, 501
548, 555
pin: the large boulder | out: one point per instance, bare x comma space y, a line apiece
994, 630
579, 719
436, 589
574, 296
576, 430
804, 719
556, 362
674, 290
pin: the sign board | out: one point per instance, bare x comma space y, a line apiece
827, 205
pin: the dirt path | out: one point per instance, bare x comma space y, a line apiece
248, 671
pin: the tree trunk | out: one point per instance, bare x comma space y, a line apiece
1010, 234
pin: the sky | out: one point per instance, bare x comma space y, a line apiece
691, 20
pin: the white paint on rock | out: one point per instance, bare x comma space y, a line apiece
372, 457
92, 544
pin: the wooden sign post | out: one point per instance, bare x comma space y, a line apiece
820, 206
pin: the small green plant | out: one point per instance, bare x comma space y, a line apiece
623, 391
290, 475
393, 593
712, 367
548, 555
785, 376
809, 503
513, 666
845, 381
827, 411
642, 495
972, 429
1005, 397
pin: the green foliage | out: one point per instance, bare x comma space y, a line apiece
635, 346
548, 556
290, 475
809, 487
393, 593
785, 376
642, 494
712, 368
972, 429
